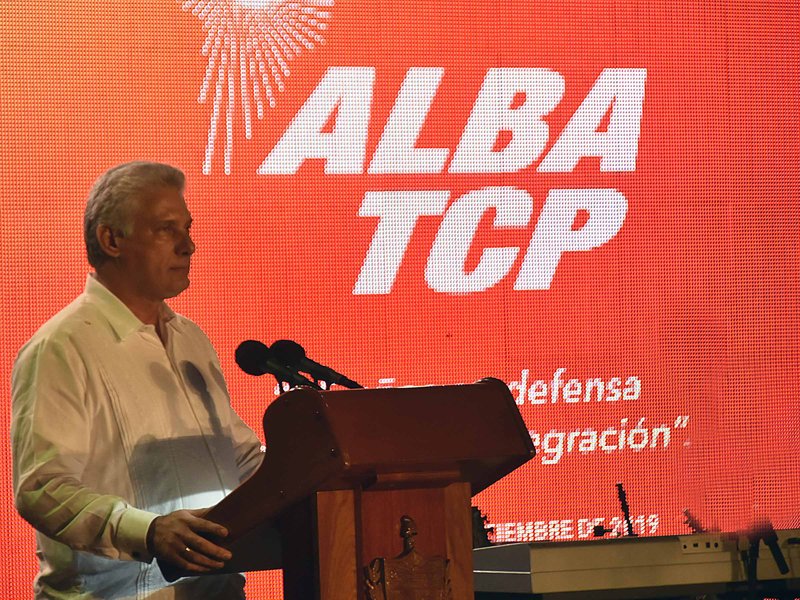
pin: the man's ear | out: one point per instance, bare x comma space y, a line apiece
109, 240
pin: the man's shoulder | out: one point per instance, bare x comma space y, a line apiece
69, 324
184, 323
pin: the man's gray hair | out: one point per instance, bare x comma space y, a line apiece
110, 200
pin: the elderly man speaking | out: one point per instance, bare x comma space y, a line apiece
122, 427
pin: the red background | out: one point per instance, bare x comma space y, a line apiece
697, 295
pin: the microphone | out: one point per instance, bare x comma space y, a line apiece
292, 355
255, 358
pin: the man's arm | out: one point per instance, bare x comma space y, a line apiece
247, 447
51, 440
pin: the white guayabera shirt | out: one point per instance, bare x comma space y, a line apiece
111, 428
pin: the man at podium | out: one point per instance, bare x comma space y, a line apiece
121, 421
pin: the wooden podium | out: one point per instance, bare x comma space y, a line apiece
346, 473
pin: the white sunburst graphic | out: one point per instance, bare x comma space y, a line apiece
249, 44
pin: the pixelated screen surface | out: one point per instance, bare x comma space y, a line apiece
594, 202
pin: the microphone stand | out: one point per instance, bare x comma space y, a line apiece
600, 530
626, 510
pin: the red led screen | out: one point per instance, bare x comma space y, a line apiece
596, 202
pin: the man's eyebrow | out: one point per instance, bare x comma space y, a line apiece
169, 220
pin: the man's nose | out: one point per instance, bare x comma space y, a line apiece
186, 245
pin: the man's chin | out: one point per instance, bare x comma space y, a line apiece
178, 288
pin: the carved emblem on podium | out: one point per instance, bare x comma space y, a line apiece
410, 576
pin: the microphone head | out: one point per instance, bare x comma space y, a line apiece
252, 357
288, 352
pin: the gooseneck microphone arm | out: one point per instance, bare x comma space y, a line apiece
294, 356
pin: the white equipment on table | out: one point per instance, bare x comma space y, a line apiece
637, 567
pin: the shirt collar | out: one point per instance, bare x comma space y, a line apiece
119, 316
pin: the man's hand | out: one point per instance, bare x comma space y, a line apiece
174, 538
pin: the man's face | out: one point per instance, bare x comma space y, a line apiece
157, 252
